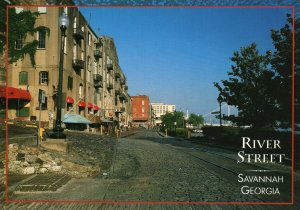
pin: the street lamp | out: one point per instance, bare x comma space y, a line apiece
58, 130
220, 103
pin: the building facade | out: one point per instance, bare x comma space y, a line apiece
160, 109
94, 85
141, 111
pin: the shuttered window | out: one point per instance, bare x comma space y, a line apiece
70, 83
23, 78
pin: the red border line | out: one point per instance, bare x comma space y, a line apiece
6, 114
293, 98
152, 202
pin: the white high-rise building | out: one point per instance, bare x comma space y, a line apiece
160, 109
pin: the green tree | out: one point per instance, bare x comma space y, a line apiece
195, 119
20, 25
170, 118
179, 118
248, 88
282, 64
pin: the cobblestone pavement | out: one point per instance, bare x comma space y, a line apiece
149, 168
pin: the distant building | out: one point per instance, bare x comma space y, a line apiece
141, 110
160, 109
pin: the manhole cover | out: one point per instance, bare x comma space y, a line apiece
41, 183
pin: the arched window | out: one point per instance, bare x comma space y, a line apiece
80, 90
41, 37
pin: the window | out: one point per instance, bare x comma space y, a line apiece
143, 110
23, 78
70, 83
89, 39
44, 77
19, 43
95, 67
75, 23
143, 102
42, 10
44, 105
74, 52
89, 63
41, 39
80, 90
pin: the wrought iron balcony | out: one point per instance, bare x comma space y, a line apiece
78, 33
123, 81
126, 87
99, 43
122, 96
117, 92
97, 54
97, 77
110, 86
98, 85
117, 75
110, 66
78, 64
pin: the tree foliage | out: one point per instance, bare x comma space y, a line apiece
247, 88
282, 64
195, 119
169, 119
20, 24
260, 85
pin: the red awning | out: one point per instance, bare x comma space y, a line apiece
81, 104
70, 100
90, 105
96, 108
15, 93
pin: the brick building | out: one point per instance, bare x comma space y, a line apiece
141, 115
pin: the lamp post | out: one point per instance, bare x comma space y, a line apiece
58, 130
220, 112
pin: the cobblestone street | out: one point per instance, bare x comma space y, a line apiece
149, 168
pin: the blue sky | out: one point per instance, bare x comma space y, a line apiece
174, 55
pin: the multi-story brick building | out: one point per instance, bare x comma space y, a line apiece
94, 85
141, 110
